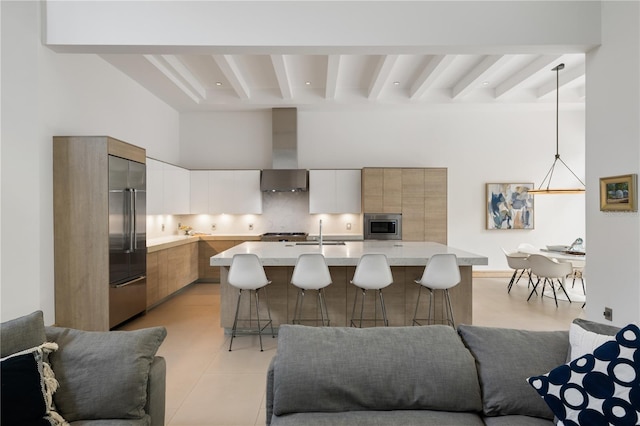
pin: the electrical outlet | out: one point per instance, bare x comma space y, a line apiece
608, 314
348, 226
251, 227
213, 226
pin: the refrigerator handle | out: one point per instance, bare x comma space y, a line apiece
134, 214
126, 223
130, 219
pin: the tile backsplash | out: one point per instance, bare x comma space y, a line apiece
281, 212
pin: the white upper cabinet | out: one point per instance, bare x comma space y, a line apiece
176, 189
226, 191
155, 187
334, 191
168, 188
199, 191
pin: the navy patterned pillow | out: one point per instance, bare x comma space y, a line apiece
599, 388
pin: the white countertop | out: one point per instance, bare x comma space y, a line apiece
399, 253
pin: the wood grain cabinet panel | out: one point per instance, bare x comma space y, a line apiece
420, 194
372, 190
206, 249
392, 191
81, 227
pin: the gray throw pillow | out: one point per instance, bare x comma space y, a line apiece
103, 375
505, 358
21, 333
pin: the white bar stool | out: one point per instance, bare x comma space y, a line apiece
311, 273
372, 273
246, 273
441, 273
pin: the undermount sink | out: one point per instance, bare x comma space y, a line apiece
317, 243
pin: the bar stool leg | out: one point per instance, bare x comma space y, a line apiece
235, 320
257, 297
364, 292
450, 318
415, 312
297, 312
429, 314
384, 310
266, 298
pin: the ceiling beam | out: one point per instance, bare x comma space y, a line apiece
232, 73
519, 78
565, 78
381, 75
477, 74
166, 68
434, 68
280, 68
333, 68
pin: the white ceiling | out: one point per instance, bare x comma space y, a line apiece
219, 82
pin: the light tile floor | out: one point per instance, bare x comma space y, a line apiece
209, 386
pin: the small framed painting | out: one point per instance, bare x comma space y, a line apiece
619, 193
509, 206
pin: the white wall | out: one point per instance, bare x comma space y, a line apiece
613, 148
477, 144
46, 94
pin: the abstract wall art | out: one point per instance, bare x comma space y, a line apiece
509, 206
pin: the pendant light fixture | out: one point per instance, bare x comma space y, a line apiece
542, 189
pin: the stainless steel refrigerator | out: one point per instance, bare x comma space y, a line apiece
127, 239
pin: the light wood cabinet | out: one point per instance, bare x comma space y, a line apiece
420, 194
206, 249
170, 270
81, 228
335, 191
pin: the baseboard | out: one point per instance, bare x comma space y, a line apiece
492, 274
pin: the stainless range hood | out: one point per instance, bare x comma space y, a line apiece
285, 176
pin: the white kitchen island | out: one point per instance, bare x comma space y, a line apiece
407, 260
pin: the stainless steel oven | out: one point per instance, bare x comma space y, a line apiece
382, 226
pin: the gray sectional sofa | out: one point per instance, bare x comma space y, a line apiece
432, 375
101, 378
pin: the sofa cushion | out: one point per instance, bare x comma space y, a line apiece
515, 420
380, 418
505, 358
601, 387
392, 368
103, 375
21, 333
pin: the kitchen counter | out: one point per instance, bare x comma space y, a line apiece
161, 243
399, 253
407, 260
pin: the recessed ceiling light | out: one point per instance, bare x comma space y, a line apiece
396, 83
218, 83
485, 83
308, 83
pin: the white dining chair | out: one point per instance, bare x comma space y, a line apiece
311, 273
548, 270
440, 273
519, 262
372, 273
246, 273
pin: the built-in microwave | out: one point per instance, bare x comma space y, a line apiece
382, 226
